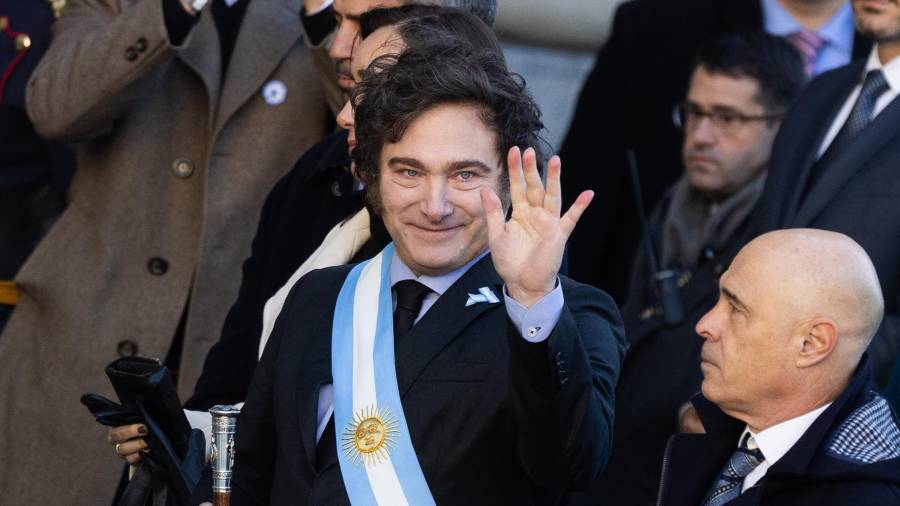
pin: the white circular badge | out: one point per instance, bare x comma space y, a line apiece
274, 92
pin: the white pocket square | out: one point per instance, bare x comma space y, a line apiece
484, 295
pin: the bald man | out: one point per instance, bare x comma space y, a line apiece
786, 400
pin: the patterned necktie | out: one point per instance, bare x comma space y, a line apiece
860, 116
410, 294
809, 44
730, 481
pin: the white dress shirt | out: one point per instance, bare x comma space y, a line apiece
891, 72
775, 441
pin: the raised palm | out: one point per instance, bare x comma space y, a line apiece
527, 249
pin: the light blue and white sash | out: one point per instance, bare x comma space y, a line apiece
375, 451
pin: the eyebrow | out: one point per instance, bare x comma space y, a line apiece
454, 166
734, 299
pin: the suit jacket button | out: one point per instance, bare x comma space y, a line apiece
182, 168
127, 348
336, 189
131, 53
141, 44
158, 266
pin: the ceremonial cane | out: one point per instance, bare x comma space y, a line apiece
224, 421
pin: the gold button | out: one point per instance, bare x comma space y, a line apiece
23, 41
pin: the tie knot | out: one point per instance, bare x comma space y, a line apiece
874, 84
410, 294
808, 43
752, 456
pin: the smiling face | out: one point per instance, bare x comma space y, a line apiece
717, 162
383, 41
347, 14
429, 185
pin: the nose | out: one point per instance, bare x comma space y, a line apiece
702, 132
345, 117
436, 205
342, 46
706, 327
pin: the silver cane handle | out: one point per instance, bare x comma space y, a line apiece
224, 422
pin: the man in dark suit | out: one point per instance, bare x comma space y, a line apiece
627, 101
834, 164
786, 402
498, 402
740, 88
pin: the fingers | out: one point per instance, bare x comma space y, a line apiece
128, 441
123, 433
534, 187
516, 177
493, 212
553, 197
131, 450
570, 219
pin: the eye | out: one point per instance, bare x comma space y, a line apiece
410, 172
726, 118
465, 175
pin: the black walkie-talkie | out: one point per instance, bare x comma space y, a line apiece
664, 281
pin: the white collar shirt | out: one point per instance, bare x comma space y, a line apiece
891, 72
776, 441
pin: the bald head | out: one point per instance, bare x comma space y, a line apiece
796, 310
820, 274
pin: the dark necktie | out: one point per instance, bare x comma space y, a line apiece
731, 479
410, 294
860, 116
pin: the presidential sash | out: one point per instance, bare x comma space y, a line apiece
375, 451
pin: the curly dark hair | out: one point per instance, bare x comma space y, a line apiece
439, 69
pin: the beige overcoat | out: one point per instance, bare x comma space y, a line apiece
173, 165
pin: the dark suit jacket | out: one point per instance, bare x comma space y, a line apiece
494, 419
661, 372
317, 194
849, 455
856, 194
626, 103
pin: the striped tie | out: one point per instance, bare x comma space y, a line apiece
730, 481
809, 44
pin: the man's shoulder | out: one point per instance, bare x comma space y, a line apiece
869, 434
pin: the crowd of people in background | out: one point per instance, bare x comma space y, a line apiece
194, 180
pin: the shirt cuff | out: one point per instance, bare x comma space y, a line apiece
536, 323
326, 4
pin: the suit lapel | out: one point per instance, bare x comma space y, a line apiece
269, 30
823, 122
204, 56
446, 320
847, 164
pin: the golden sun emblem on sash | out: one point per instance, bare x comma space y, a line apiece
370, 437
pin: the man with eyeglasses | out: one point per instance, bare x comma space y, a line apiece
740, 87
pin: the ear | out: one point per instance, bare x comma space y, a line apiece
818, 337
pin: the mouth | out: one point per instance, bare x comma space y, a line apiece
346, 83
435, 232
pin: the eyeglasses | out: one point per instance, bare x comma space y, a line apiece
687, 116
